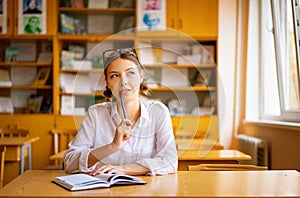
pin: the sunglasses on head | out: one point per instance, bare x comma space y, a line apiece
112, 54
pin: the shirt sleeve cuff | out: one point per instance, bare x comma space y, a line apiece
83, 161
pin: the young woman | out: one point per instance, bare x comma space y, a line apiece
131, 135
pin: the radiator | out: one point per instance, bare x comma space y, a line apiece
255, 147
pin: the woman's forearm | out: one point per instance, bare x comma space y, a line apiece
100, 153
134, 169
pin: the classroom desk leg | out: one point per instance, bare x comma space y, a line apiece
22, 160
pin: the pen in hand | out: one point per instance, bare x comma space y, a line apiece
123, 107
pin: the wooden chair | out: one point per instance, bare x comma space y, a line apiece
225, 167
2, 160
13, 132
13, 151
61, 139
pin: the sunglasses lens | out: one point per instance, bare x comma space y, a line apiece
126, 51
110, 55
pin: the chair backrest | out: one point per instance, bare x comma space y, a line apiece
2, 159
14, 132
61, 138
225, 167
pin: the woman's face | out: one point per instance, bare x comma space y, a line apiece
33, 23
124, 77
32, 4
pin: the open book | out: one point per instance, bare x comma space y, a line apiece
84, 181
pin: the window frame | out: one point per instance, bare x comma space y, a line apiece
278, 13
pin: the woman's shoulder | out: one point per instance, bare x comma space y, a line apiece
154, 104
100, 106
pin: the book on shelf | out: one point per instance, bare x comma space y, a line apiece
121, 4
67, 23
97, 81
169, 74
78, 50
145, 53
66, 59
208, 54
82, 64
22, 75
45, 57
176, 107
67, 102
26, 50
46, 46
11, 54
193, 59
98, 3
84, 181
94, 52
77, 4
72, 83
150, 76
6, 105
202, 111
68, 106
34, 103
100, 24
67, 82
20, 97
5, 78
65, 3
171, 51
80, 26
209, 100
42, 76
202, 78
46, 104
126, 26
76, 111
82, 84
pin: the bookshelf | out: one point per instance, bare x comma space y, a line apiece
192, 105
24, 70
100, 41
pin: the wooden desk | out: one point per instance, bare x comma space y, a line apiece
194, 157
16, 148
197, 144
37, 183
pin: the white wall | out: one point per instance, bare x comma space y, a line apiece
226, 65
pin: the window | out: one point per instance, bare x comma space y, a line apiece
279, 60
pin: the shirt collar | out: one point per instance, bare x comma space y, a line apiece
144, 112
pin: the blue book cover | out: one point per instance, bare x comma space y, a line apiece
11, 54
67, 24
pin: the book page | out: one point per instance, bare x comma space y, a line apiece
120, 179
80, 182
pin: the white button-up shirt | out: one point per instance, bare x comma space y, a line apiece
152, 144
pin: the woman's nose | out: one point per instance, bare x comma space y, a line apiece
124, 80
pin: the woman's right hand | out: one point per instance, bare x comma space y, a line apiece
123, 133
